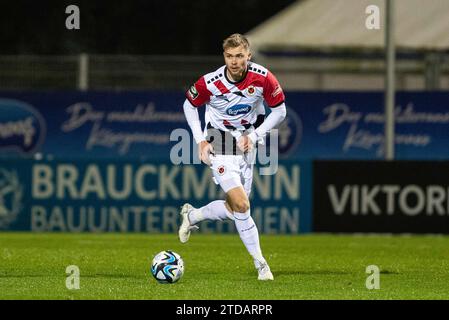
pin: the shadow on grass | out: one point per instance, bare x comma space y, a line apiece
309, 272
111, 276
322, 272
46, 275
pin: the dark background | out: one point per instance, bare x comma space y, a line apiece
129, 27
378, 173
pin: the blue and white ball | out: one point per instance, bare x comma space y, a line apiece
167, 267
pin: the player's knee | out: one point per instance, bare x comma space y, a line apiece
241, 205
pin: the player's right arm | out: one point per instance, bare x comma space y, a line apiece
196, 96
275, 99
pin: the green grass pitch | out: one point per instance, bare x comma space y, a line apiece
315, 266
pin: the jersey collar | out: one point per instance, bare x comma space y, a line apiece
235, 82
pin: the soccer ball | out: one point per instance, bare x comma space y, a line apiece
167, 267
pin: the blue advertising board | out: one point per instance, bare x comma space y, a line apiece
94, 124
319, 125
140, 196
349, 125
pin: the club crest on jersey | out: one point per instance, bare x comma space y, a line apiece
251, 90
221, 170
238, 109
193, 93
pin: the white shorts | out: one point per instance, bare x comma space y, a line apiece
231, 171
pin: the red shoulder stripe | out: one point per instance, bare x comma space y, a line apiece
220, 86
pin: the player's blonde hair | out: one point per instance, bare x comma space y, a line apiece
235, 40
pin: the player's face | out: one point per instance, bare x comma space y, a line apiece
236, 60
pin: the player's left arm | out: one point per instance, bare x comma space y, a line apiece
275, 98
260, 118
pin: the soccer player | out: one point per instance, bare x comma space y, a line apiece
233, 95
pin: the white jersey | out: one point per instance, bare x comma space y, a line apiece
235, 105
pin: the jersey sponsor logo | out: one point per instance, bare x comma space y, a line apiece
277, 91
238, 109
193, 93
251, 90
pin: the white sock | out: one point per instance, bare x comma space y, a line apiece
250, 235
216, 210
